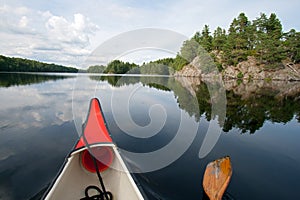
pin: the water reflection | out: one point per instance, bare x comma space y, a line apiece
253, 103
184, 89
12, 79
37, 131
249, 104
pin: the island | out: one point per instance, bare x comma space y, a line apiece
257, 49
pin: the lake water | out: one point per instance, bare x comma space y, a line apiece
167, 129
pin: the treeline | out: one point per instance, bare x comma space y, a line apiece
114, 67
8, 64
165, 66
262, 38
120, 67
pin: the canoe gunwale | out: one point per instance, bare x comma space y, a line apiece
99, 144
72, 177
77, 152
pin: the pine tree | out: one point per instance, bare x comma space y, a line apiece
206, 39
269, 34
262, 37
179, 62
292, 45
260, 25
238, 42
219, 39
189, 49
242, 28
274, 27
230, 44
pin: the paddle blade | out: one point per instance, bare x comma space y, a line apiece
216, 178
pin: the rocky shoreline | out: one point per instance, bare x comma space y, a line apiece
247, 70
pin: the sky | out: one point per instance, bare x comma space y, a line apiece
67, 31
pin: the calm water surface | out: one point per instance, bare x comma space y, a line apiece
41, 115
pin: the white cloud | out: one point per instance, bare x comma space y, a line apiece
53, 38
14, 21
75, 32
67, 32
23, 22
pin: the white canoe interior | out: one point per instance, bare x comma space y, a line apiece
74, 179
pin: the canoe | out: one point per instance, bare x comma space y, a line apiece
95, 168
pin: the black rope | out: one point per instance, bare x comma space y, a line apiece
105, 193
100, 196
100, 178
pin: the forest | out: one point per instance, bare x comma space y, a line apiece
8, 64
262, 38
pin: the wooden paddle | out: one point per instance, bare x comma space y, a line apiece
216, 178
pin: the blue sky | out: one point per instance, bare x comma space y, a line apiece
66, 32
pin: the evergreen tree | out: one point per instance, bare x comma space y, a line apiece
197, 37
232, 35
206, 39
241, 29
219, 39
268, 42
238, 42
189, 49
274, 27
260, 25
230, 45
292, 45
119, 67
179, 62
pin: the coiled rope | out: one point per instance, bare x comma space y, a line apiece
100, 196
105, 195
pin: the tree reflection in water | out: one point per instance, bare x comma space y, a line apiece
249, 104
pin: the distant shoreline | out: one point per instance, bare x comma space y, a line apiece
11, 64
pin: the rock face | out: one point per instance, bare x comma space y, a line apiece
250, 70
199, 68
190, 70
245, 70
